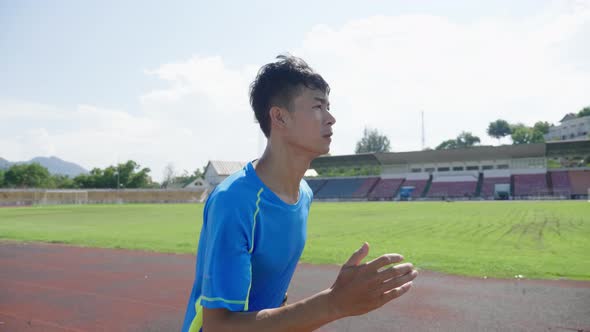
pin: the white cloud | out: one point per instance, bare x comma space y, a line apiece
207, 78
14, 109
384, 70
203, 115
37, 139
209, 99
89, 135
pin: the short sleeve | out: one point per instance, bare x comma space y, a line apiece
227, 267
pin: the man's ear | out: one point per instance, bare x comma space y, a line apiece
278, 116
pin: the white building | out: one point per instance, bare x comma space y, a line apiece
197, 184
572, 127
217, 170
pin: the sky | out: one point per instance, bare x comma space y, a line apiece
166, 83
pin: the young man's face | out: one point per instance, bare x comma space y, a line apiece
310, 125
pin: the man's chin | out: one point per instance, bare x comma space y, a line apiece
324, 152
318, 151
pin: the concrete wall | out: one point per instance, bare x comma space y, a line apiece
24, 197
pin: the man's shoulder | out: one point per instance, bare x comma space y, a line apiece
231, 206
236, 190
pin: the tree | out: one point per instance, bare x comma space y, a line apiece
372, 141
187, 178
90, 180
464, 140
447, 145
140, 179
498, 129
126, 175
27, 176
1, 178
169, 175
349, 171
539, 130
542, 127
584, 112
522, 134
62, 182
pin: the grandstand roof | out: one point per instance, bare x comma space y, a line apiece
468, 154
456, 155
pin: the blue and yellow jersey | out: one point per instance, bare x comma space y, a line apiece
249, 246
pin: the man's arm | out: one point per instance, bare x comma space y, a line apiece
359, 288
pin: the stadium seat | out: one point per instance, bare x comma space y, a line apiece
346, 188
419, 186
530, 185
561, 183
580, 182
315, 184
386, 189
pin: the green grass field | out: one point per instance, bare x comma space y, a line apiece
496, 239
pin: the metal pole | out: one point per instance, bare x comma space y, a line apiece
423, 138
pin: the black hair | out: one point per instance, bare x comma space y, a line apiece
278, 83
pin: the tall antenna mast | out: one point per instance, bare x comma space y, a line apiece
423, 139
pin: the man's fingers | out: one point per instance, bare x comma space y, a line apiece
395, 271
358, 255
395, 293
384, 260
397, 282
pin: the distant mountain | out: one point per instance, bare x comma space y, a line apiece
53, 164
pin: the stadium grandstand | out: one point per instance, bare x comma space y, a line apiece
555, 170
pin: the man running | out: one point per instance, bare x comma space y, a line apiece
255, 223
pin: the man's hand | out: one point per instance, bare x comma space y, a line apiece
358, 289
361, 288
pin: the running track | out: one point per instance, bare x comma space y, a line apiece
48, 287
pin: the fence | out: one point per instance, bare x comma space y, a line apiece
27, 197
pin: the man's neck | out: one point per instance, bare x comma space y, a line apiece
281, 170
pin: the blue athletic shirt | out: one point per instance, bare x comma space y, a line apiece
249, 246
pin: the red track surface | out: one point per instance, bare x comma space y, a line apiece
59, 288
